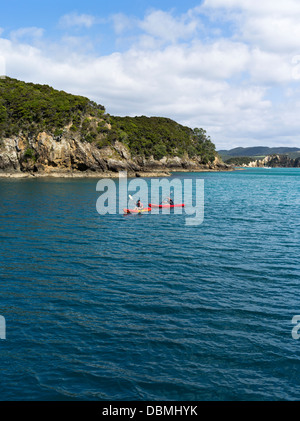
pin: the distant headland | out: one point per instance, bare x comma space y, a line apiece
262, 156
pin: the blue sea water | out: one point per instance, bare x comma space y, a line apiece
148, 308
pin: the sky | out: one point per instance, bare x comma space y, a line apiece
231, 67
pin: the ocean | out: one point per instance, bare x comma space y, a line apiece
146, 308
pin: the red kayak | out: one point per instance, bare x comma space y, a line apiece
166, 206
127, 211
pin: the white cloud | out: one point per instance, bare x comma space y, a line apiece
239, 89
145, 82
122, 22
269, 24
270, 7
75, 20
269, 68
164, 26
27, 34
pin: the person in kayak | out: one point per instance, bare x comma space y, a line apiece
139, 205
170, 201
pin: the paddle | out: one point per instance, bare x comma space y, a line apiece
131, 198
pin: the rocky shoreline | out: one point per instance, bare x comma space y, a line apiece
22, 175
146, 174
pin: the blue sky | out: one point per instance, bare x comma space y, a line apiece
229, 66
18, 13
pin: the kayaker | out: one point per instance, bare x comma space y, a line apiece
139, 205
170, 201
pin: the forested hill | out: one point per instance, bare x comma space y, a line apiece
30, 108
29, 112
161, 137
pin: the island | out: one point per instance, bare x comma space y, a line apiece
47, 132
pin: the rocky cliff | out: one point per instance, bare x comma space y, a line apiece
66, 155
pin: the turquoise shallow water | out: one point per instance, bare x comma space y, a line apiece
146, 308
